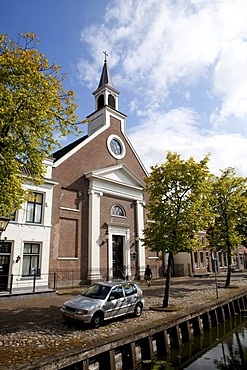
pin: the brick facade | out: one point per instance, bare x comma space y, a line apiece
85, 196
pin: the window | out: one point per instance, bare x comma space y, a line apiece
225, 259
129, 289
5, 247
196, 259
220, 259
111, 101
202, 259
101, 101
241, 258
34, 208
31, 257
97, 291
118, 211
117, 292
116, 146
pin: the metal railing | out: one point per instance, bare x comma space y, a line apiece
17, 283
62, 279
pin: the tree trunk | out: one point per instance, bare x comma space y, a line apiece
229, 263
168, 280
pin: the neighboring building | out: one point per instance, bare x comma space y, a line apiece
27, 248
98, 214
203, 262
245, 257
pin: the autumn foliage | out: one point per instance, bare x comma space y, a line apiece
33, 106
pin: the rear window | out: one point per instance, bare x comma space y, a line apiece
129, 289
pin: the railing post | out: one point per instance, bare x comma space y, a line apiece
34, 281
11, 284
54, 281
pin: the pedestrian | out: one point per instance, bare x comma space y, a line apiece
148, 275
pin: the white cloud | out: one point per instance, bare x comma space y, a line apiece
156, 134
179, 131
161, 55
230, 80
89, 78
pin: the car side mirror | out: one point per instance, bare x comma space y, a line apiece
111, 298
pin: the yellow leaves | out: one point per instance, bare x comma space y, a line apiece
33, 104
85, 121
176, 189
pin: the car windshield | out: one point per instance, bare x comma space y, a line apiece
97, 291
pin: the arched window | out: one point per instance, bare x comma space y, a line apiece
101, 101
111, 101
118, 211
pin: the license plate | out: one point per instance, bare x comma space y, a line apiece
69, 314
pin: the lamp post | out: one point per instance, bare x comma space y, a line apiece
4, 221
107, 251
214, 258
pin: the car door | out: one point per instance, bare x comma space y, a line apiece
131, 296
115, 305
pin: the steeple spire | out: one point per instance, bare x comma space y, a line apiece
106, 103
105, 78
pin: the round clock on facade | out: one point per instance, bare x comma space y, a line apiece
116, 146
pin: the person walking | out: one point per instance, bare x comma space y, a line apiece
148, 275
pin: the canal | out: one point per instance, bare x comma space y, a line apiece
223, 347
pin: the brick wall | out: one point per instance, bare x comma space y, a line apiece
70, 227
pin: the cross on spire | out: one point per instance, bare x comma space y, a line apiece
106, 55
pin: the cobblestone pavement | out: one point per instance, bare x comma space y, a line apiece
32, 327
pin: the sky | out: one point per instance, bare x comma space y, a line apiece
180, 67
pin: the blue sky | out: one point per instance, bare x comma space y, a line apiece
180, 65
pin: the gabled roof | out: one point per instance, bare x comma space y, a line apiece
61, 152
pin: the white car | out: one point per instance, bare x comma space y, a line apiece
104, 301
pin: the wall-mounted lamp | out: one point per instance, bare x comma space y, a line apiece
133, 256
106, 237
17, 259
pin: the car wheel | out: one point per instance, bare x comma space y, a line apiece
138, 310
97, 320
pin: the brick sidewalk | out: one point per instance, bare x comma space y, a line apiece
43, 308
32, 328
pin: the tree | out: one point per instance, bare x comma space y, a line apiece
33, 105
229, 205
177, 207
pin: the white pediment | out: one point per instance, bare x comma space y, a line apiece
119, 174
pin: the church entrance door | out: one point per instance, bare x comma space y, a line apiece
117, 257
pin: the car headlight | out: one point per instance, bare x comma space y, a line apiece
64, 307
82, 312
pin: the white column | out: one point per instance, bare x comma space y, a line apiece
139, 228
109, 255
127, 254
94, 237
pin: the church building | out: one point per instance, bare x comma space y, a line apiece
98, 204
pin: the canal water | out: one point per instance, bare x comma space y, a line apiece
223, 347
